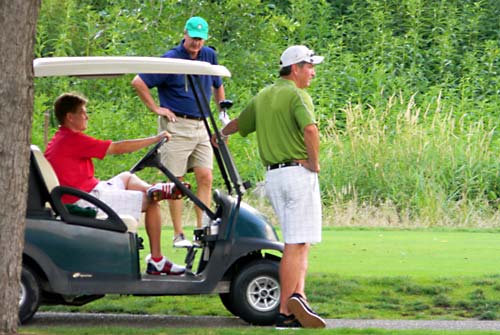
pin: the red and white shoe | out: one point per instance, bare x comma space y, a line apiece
162, 191
163, 267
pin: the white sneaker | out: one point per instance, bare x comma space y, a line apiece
163, 267
197, 243
181, 242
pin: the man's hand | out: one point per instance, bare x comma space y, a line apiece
164, 134
213, 139
229, 129
162, 111
311, 166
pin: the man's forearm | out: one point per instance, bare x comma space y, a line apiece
127, 146
311, 140
219, 95
231, 128
143, 92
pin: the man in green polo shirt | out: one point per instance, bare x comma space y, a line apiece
282, 115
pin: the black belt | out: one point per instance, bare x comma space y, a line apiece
282, 165
184, 116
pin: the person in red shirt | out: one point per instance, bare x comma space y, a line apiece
70, 153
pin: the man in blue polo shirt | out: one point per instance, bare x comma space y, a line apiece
189, 148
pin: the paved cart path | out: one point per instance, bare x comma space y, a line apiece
151, 321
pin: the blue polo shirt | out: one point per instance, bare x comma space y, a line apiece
173, 89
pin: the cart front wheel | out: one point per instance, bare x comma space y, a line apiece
255, 293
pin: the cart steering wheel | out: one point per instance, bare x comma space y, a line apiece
150, 159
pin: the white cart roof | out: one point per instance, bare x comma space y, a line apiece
111, 65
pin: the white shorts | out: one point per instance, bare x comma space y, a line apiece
113, 193
295, 196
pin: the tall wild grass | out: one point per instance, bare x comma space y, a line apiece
406, 164
407, 98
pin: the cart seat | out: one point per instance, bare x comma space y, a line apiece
52, 189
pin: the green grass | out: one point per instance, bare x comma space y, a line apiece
354, 273
366, 252
418, 253
431, 168
368, 273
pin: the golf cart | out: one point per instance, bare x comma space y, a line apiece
71, 258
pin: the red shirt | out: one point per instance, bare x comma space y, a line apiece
70, 154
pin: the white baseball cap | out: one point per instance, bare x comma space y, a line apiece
299, 53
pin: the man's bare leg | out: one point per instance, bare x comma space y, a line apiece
152, 211
153, 228
293, 270
204, 191
176, 208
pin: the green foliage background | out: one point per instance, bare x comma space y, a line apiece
407, 99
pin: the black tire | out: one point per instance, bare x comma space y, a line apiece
29, 298
255, 292
227, 301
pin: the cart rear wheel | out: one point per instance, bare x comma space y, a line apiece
255, 292
29, 298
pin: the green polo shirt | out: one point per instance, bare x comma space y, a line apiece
279, 113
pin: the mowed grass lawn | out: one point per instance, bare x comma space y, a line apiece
419, 254
422, 274
366, 252
367, 273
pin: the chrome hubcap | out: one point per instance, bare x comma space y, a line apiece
263, 293
22, 295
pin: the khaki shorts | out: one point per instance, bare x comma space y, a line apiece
188, 148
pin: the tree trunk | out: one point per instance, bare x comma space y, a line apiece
17, 39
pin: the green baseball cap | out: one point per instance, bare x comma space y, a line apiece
197, 27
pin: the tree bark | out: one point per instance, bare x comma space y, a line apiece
17, 40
